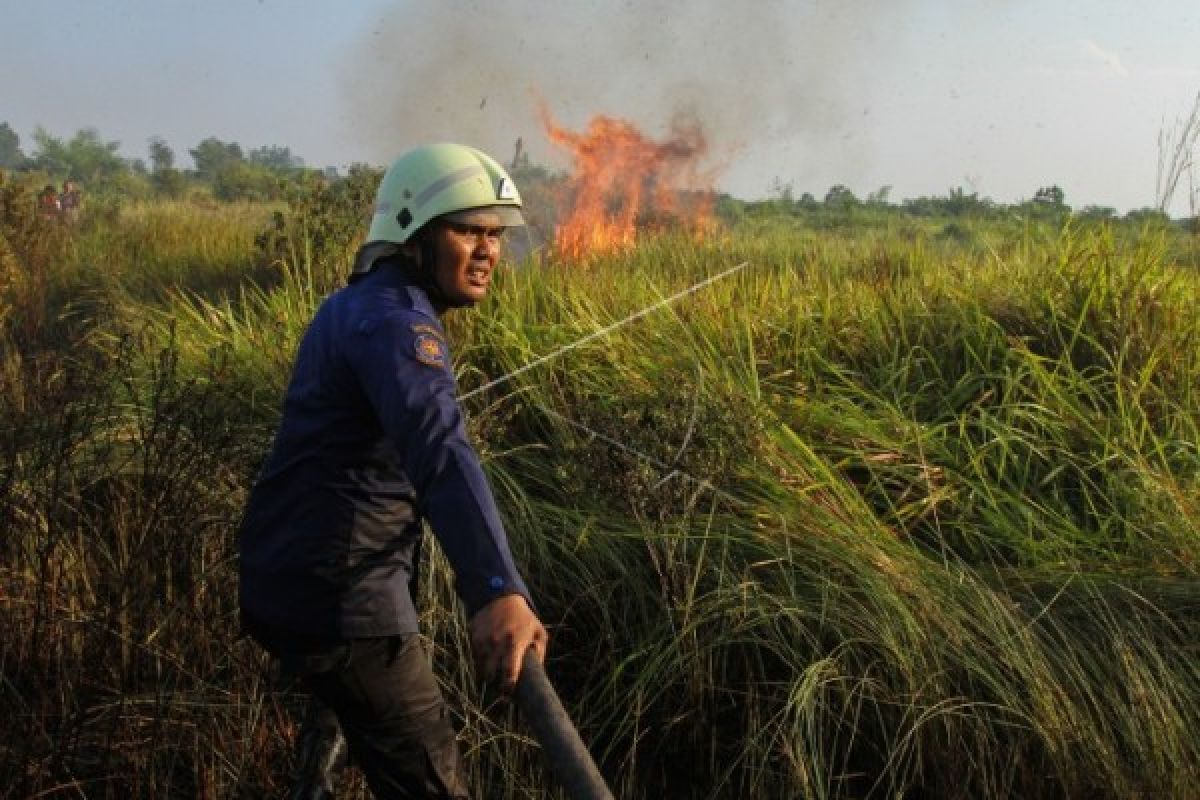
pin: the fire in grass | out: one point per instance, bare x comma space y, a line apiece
623, 182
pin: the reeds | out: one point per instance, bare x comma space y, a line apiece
885, 514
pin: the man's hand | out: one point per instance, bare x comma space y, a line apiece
501, 632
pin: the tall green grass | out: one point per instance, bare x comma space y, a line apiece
142, 249
888, 513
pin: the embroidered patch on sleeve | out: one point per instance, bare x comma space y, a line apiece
430, 350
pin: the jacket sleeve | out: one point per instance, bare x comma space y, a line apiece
403, 365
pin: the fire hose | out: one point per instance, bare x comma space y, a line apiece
569, 758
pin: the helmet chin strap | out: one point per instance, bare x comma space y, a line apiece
414, 266
425, 271
422, 271
420, 268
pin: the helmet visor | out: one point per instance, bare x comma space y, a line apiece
487, 217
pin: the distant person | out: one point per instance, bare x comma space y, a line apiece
370, 445
48, 204
70, 201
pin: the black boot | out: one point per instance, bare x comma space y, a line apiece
320, 754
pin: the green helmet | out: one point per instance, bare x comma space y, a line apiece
436, 180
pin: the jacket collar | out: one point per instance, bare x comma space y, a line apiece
391, 274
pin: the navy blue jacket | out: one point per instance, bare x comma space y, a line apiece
371, 442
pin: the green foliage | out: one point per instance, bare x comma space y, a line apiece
879, 197
213, 156
1151, 217
275, 157
169, 183
1097, 213
323, 226
245, 181
729, 209
125, 187
840, 197
11, 156
956, 203
162, 157
234, 177
85, 157
957, 232
1049, 196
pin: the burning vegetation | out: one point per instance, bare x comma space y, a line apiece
623, 181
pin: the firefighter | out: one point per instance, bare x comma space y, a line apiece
70, 199
48, 203
370, 445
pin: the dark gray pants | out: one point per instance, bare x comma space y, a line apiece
388, 704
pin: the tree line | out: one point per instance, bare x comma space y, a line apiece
221, 168
227, 171
1048, 202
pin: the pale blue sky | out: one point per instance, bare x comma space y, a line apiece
1001, 96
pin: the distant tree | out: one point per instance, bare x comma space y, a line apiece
956, 203
161, 155
839, 196
960, 204
50, 152
782, 192
166, 180
1098, 213
1049, 196
920, 206
11, 156
879, 197
728, 208
246, 181
1148, 216
212, 156
169, 182
275, 157
807, 201
86, 157
541, 194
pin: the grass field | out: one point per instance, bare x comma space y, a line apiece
904, 508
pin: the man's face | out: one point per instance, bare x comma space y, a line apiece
465, 256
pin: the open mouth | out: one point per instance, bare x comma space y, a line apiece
478, 276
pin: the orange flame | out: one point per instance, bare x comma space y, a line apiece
623, 179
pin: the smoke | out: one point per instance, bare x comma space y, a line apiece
768, 80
